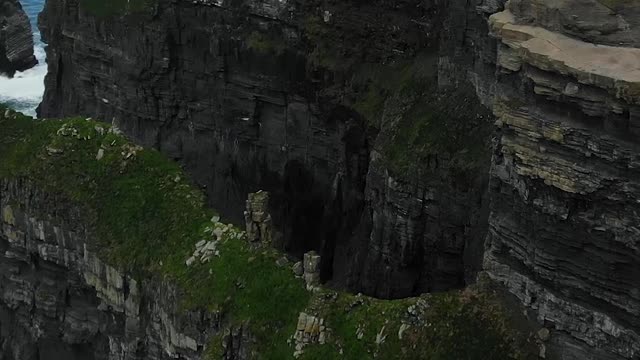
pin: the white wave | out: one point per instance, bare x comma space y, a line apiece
24, 91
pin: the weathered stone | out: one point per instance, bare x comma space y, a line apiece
309, 330
298, 268
543, 334
311, 267
258, 219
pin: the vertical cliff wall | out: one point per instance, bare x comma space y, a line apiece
319, 103
16, 39
564, 219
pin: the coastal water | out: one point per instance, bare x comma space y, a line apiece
24, 91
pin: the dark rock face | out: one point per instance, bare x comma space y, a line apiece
16, 39
243, 114
60, 302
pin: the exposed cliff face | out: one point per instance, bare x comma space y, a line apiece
16, 39
290, 97
564, 212
60, 301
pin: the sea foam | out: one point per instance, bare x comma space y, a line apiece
24, 91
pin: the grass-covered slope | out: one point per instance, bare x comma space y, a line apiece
147, 218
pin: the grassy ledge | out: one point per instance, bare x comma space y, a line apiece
147, 219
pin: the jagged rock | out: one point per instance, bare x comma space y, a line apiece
311, 266
257, 218
16, 39
298, 268
309, 330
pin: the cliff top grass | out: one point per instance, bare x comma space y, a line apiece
147, 219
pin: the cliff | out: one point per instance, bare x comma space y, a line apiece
109, 253
563, 232
16, 39
367, 124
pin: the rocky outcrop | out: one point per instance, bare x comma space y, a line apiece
564, 219
258, 219
16, 39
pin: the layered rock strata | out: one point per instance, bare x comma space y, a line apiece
563, 233
61, 301
16, 39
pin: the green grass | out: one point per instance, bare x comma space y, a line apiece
446, 326
146, 218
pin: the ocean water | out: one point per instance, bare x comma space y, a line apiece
24, 91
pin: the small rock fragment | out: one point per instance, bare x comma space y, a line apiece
100, 154
298, 269
543, 334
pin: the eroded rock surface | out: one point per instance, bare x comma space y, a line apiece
564, 219
16, 39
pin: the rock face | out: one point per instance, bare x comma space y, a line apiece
59, 301
16, 39
564, 211
254, 95
257, 95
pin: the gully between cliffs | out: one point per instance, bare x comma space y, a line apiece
240, 98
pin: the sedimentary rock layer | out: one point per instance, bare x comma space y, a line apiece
16, 39
564, 221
